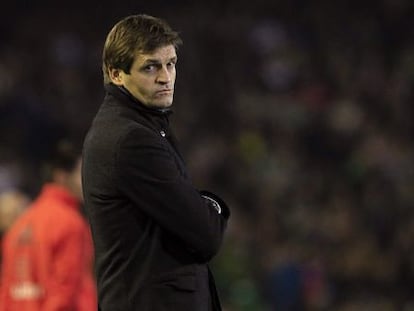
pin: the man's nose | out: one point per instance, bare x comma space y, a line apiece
164, 75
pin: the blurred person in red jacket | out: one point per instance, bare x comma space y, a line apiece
48, 251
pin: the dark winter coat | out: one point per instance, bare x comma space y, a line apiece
153, 231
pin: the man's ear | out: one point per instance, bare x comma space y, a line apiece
116, 76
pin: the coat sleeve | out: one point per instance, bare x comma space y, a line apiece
65, 269
149, 176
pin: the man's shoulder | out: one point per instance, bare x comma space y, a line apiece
113, 117
109, 135
104, 135
117, 123
18, 224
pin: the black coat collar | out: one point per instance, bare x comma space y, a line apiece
126, 97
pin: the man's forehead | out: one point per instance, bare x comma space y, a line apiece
160, 54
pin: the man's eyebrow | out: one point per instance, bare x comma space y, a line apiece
151, 61
158, 61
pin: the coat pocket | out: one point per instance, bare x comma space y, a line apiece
181, 279
173, 291
182, 282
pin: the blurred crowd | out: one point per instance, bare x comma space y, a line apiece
298, 112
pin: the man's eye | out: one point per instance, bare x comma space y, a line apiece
150, 68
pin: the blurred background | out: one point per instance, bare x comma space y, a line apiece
299, 113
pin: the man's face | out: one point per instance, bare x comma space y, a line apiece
152, 77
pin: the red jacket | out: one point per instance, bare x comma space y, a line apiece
47, 257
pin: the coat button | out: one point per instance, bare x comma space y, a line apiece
162, 133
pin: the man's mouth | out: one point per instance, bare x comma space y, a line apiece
164, 92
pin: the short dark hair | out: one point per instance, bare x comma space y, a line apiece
64, 156
135, 33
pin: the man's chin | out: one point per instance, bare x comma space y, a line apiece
159, 103
164, 104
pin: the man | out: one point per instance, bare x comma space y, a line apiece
154, 233
48, 251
